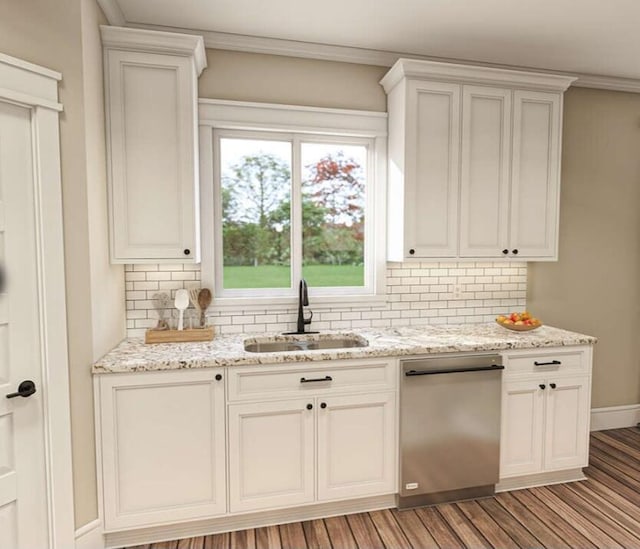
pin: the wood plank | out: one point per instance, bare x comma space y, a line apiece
364, 531
517, 503
437, 525
580, 523
595, 516
622, 465
509, 523
292, 536
614, 496
191, 543
243, 539
462, 527
390, 532
486, 525
596, 462
340, 533
413, 528
621, 447
268, 537
165, 545
316, 533
217, 541
593, 473
630, 437
613, 511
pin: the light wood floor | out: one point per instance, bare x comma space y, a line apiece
602, 512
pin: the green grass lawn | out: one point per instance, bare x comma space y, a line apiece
270, 276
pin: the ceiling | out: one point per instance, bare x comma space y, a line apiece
578, 36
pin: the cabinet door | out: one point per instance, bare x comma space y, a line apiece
271, 454
432, 170
163, 447
535, 176
356, 446
567, 423
484, 189
522, 428
151, 127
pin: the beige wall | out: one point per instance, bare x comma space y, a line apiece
63, 36
595, 286
294, 81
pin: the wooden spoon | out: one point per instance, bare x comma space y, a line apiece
204, 300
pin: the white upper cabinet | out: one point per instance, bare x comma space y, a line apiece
474, 169
151, 112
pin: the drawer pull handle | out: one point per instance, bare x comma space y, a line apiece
325, 378
552, 363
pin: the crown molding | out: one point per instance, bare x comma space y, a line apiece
172, 43
453, 72
112, 12
381, 58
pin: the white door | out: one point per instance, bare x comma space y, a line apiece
163, 447
567, 429
271, 454
23, 509
484, 188
356, 446
522, 427
535, 175
432, 150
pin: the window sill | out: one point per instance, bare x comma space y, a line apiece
241, 304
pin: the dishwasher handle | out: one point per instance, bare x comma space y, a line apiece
453, 370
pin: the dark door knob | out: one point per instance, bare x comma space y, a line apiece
323, 405
187, 251
218, 377
412, 251
552, 385
25, 389
542, 386
505, 251
309, 406
514, 252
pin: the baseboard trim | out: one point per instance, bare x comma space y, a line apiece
90, 536
541, 479
615, 417
247, 520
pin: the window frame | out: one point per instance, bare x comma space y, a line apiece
219, 119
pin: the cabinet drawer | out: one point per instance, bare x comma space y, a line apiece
545, 362
331, 377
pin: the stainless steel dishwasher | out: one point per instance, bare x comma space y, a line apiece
449, 428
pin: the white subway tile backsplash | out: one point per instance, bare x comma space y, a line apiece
417, 294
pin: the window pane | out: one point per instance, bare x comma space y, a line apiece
256, 213
333, 199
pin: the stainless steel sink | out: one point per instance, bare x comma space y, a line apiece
281, 344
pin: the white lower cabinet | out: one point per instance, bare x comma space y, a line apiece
356, 446
271, 454
162, 445
545, 415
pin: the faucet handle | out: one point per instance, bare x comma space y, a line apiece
308, 319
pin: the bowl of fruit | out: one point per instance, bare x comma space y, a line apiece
519, 322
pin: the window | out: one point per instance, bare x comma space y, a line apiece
287, 205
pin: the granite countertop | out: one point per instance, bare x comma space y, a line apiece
135, 356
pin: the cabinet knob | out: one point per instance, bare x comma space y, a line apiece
542, 386
412, 251
552, 385
218, 377
323, 405
505, 251
309, 406
187, 251
515, 252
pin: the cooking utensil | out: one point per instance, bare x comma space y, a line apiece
204, 300
181, 302
193, 297
161, 302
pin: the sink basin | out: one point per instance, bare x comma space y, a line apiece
282, 344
